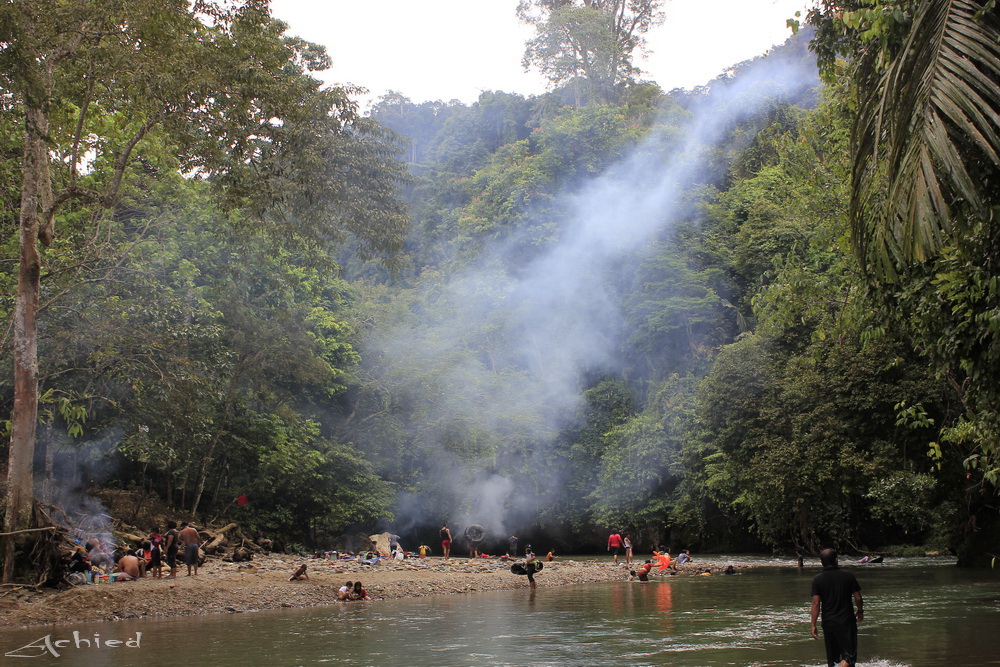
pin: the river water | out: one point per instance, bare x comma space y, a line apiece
919, 613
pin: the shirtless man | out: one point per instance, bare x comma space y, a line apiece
130, 566
445, 540
189, 538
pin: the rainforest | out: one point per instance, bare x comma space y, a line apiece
760, 315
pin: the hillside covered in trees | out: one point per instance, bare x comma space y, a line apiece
762, 314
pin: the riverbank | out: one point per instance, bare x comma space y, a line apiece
223, 587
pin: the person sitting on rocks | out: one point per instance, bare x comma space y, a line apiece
345, 591
130, 566
79, 561
99, 555
359, 593
299, 574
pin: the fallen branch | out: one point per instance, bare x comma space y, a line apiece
28, 530
219, 538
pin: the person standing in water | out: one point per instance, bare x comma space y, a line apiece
531, 565
832, 591
445, 540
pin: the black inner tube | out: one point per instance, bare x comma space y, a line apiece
475, 533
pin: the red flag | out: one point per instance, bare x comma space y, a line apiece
242, 500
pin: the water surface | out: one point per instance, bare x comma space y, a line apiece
916, 613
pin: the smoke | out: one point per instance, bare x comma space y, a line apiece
70, 468
496, 359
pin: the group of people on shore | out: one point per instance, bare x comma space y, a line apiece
100, 559
620, 544
353, 590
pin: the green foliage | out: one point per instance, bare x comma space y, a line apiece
299, 484
639, 468
926, 135
923, 210
765, 394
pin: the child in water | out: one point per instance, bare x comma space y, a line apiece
532, 565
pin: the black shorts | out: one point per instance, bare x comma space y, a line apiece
616, 551
172, 559
154, 558
841, 643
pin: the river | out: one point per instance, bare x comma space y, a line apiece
917, 612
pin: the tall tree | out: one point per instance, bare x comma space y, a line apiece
588, 40
97, 80
927, 144
924, 199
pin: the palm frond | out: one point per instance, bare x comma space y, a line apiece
927, 128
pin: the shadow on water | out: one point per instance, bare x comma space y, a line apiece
916, 614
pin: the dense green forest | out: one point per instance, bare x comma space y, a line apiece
762, 314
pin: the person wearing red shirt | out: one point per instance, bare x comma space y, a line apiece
615, 544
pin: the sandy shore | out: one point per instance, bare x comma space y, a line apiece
223, 587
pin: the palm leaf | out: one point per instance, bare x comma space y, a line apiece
927, 128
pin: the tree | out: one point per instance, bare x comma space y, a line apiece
95, 81
592, 40
924, 199
927, 147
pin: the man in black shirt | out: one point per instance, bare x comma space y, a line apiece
832, 589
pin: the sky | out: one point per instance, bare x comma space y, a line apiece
456, 49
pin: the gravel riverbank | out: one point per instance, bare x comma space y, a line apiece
223, 587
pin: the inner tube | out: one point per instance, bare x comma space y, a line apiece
475, 533
522, 568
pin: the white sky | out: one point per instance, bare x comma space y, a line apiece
456, 49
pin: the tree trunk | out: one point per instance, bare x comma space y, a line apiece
184, 483
48, 484
202, 476
25, 416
